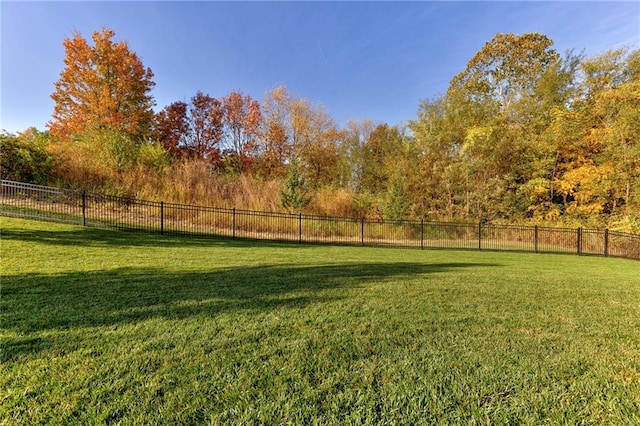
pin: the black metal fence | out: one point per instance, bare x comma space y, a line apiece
105, 211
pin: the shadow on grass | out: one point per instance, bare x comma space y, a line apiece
96, 237
40, 302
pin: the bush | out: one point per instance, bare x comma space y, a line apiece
23, 157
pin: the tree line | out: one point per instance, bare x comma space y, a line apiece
523, 133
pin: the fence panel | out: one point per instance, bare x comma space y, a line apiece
331, 230
508, 238
45, 203
557, 240
196, 221
396, 233
38, 202
107, 211
450, 235
593, 242
266, 226
622, 244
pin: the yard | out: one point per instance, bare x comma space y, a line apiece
111, 327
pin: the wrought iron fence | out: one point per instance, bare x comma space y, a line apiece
106, 211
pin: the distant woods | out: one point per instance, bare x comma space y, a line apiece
523, 134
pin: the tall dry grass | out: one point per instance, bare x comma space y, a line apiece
76, 166
195, 182
331, 201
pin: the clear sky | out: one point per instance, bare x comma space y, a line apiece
360, 60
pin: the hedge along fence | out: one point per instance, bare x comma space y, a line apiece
104, 211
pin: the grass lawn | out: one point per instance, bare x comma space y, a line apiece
110, 327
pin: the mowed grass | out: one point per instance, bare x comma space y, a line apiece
111, 327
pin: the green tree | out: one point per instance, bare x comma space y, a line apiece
488, 147
294, 196
438, 135
397, 204
380, 152
506, 69
507, 92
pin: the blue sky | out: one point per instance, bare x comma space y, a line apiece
360, 60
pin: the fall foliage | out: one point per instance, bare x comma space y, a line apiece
171, 126
241, 121
102, 86
523, 134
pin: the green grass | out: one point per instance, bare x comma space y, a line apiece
111, 327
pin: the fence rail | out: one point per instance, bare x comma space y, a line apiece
105, 211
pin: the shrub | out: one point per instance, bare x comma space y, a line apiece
23, 157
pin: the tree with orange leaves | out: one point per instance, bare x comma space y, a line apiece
104, 86
241, 121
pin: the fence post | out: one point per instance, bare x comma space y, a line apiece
362, 231
421, 234
300, 228
84, 207
579, 241
535, 238
606, 242
233, 223
480, 235
161, 217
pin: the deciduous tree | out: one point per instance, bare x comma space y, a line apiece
506, 68
242, 120
380, 155
171, 127
275, 145
193, 130
102, 86
205, 121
